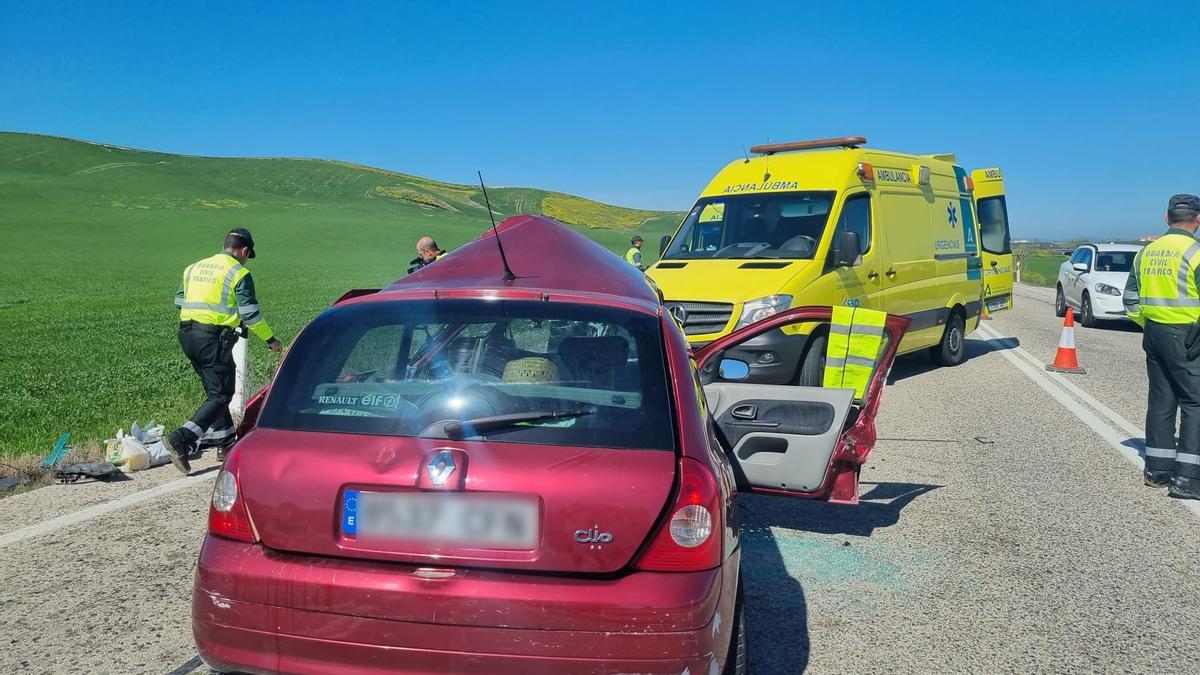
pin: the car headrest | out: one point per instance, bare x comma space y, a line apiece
609, 350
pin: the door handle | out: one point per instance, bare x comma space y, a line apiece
993, 263
745, 412
872, 275
891, 272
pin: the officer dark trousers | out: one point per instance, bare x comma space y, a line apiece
210, 349
1174, 383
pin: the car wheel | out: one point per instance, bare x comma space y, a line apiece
812, 365
1088, 319
953, 348
737, 663
1060, 303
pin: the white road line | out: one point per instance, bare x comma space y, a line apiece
1032, 369
74, 518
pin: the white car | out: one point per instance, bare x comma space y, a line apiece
1093, 280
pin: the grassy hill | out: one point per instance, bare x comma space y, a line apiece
95, 237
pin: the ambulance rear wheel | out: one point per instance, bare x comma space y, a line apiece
1060, 303
953, 347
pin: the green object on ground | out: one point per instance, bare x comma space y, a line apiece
58, 453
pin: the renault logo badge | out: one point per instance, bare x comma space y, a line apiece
441, 467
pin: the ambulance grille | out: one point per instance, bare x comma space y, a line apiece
701, 318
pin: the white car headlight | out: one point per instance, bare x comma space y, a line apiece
1107, 290
757, 310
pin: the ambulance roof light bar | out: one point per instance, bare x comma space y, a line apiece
843, 142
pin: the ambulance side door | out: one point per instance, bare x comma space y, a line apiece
994, 239
861, 283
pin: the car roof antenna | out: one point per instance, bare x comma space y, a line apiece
508, 273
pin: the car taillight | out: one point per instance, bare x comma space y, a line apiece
690, 539
227, 515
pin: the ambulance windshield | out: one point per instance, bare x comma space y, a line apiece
770, 225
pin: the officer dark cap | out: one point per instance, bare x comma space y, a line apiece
244, 236
1184, 202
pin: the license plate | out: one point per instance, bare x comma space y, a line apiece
998, 304
475, 521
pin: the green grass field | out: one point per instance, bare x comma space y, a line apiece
1041, 270
95, 238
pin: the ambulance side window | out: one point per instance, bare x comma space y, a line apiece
993, 225
856, 217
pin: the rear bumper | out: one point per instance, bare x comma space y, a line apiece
296, 624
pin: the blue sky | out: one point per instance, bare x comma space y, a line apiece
1090, 108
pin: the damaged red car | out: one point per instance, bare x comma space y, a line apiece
467, 473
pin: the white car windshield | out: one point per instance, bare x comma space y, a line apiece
1114, 261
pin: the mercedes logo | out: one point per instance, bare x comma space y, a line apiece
679, 313
441, 467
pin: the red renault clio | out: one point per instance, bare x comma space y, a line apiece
471, 473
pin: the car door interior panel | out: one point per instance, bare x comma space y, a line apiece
779, 436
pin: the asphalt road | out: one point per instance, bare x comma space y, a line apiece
1003, 528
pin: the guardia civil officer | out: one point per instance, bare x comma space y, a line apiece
634, 255
1163, 295
215, 296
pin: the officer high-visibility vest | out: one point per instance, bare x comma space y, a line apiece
1166, 276
634, 256
855, 336
209, 295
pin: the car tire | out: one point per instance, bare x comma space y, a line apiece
811, 372
1060, 303
952, 349
1087, 318
738, 660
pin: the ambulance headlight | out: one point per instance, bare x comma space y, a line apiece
757, 310
1107, 290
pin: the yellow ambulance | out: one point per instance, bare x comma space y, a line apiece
831, 222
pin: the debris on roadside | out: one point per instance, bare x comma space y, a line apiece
71, 473
31, 470
141, 448
58, 453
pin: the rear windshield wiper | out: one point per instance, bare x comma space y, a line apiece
456, 430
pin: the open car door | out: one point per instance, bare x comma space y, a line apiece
994, 237
788, 439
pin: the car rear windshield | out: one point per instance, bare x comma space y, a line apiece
584, 375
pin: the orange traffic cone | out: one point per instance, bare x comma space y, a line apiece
983, 313
1064, 360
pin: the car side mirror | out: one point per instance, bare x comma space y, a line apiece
732, 369
1080, 267
662, 244
847, 249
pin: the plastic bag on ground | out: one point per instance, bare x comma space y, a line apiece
133, 454
149, 434
141, 449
